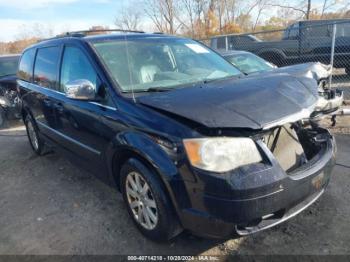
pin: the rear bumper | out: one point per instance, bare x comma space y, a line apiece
258, 200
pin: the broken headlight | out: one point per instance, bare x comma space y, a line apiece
221, 154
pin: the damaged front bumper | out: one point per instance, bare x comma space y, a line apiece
259, 196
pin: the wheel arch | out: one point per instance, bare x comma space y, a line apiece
26, 111
140, 146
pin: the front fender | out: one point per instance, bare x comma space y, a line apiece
143, 146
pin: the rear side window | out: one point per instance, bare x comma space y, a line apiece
46, 64
25, 69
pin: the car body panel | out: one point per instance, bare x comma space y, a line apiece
237, 103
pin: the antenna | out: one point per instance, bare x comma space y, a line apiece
130, 76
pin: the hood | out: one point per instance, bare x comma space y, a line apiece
316, 71
254, 102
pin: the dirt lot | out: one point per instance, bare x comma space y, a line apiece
48, 206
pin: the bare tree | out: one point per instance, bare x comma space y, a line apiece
130, 18
163, 14
261, 6
328, 4
304, 7
230, 9
36, 30
308, 9
188, 15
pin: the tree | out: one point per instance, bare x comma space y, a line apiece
244, 21
163, 14
188, 8
37, 30
129, 18
304, 7
260, 6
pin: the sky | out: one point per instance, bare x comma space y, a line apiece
60, 15
19, 16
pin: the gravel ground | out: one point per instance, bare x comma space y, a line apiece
49, 206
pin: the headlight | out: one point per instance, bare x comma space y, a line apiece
221, 154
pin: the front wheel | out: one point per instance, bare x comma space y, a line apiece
33, 135
147, 202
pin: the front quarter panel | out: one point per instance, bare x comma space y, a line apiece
144, 147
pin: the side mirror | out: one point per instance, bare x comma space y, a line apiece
80, 89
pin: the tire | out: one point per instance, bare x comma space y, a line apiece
163, 224
2, 117
33, 135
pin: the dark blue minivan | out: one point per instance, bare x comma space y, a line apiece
189, 140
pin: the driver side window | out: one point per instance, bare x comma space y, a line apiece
75, 66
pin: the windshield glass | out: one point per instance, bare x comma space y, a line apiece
249, 63
161, 63
8, 66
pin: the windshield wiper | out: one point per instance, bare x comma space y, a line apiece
151, 89
208, 80
158, 89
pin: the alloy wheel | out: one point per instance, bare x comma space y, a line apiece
141, 201
32, 135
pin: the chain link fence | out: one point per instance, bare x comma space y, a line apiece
322, 41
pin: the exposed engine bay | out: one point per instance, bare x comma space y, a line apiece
294, 145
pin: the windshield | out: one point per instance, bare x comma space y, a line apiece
161, 63
249, 63
8, 66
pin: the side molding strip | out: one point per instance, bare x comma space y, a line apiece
69, 139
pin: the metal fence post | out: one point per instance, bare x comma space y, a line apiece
332, 54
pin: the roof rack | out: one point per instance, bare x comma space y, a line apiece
85, 32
